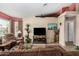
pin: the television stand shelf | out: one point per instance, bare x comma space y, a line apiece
39, 39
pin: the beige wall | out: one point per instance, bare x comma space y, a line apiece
38, 22
61, 20
77, 30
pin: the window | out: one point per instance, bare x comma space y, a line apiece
4, 26
52, 26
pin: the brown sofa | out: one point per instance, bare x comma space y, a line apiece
9, 42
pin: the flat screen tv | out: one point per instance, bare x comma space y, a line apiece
39, 31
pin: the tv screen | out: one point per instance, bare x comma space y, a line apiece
39, 31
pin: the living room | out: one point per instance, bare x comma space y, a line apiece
37, 29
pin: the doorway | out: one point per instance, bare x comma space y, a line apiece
70, 31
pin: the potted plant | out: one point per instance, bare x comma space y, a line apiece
27, 38
77, 47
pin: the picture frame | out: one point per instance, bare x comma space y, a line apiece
52, 26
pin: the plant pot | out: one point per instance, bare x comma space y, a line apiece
28, 45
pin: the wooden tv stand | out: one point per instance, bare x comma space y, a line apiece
39, 38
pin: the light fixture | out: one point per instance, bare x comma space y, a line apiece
44, 4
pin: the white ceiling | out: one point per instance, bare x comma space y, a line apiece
24, 10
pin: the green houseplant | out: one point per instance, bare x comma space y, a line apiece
77, 47
27, 38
